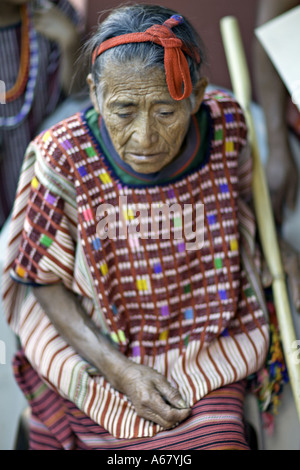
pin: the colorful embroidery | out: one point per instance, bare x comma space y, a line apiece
91, 152
46, 241
182, 298
165, 311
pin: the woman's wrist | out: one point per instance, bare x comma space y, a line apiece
111, 363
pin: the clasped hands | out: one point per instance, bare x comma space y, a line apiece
152, 395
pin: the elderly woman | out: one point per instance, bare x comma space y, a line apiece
134, 340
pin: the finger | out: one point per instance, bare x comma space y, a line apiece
161, 413
161, 421
171, 394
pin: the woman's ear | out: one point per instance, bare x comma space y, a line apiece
198, 92
93, 94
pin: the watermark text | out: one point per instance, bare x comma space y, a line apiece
153, 221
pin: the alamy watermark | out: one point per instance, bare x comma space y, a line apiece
2, 92
152, 221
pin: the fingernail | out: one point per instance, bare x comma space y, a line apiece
182, 404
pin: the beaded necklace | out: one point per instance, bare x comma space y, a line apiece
27, 73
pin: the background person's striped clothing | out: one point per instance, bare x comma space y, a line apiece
13, 142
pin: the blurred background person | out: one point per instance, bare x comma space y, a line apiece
39, 41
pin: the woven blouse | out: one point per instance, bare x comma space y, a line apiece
194, 312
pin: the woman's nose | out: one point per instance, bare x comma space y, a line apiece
145, 133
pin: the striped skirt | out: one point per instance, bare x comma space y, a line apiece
216, 421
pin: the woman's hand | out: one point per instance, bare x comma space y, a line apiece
149, 392
152, 395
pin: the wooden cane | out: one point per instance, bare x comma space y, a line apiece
241, 85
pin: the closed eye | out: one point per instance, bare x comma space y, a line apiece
124, 115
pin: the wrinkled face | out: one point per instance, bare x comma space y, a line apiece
147, 127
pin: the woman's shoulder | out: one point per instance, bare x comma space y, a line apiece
63, 144
223, 104
220, 95
226, 113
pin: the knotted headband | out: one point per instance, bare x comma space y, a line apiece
176, 67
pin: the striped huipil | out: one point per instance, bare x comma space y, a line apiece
47, 95
195, 315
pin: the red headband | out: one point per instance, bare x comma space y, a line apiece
176, 66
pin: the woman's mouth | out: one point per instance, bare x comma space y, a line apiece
141, 157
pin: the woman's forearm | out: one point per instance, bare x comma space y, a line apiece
151, 394
71, 321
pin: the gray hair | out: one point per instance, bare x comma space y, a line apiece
138, 18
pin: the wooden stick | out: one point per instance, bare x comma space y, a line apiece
241, 86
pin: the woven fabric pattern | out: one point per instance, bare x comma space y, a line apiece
194, 315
